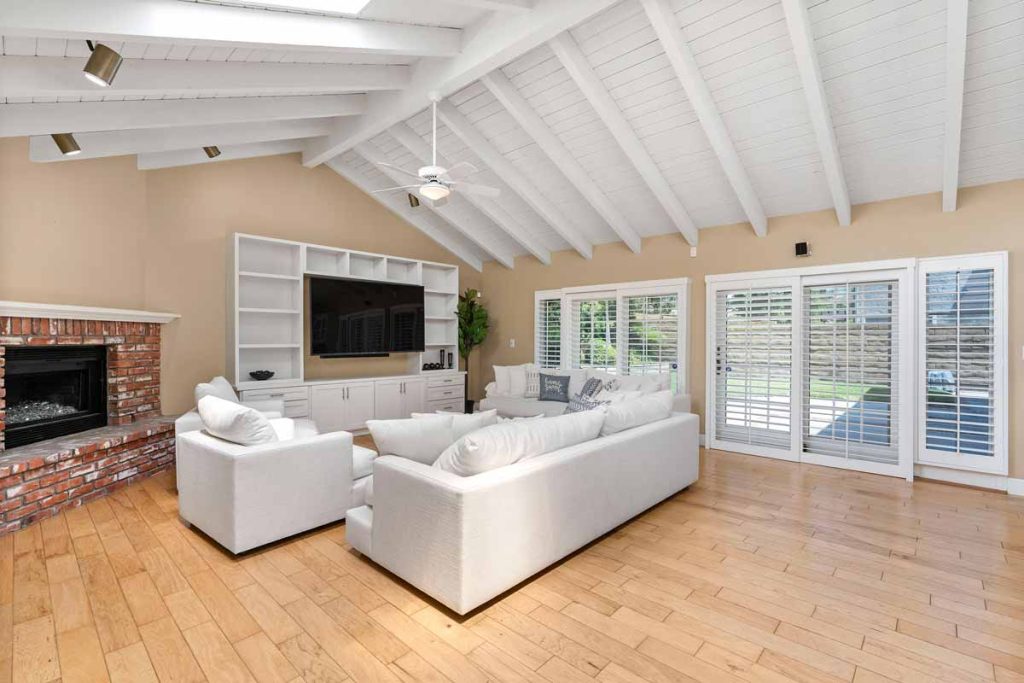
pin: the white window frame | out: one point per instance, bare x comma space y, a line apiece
620, 291
998, 463
538, 297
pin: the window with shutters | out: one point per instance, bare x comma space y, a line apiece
639, 328
548, 326
963, 362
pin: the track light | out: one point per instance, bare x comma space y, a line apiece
66, 144
212, 152
414, 201
102, 65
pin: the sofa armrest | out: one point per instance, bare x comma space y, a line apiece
490, 388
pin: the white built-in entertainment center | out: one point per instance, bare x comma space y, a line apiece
266, 332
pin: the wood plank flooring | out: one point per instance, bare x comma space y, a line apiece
763, 571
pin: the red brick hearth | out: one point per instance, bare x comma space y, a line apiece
40, 479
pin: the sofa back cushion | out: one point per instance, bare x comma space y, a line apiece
462, 423
421, 440
219, 387
234, 422
509, 442
622, 415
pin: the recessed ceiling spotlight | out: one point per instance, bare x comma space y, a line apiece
102, 65
212, 151
66, 144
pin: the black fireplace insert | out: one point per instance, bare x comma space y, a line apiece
53, 391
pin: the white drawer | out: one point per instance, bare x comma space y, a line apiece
446, 406
446, 381
299, 408
448, 393
288, 394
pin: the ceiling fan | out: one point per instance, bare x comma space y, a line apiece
436, 183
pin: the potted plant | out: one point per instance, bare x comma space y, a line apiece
473, 328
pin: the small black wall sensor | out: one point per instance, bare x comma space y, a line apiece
802, 249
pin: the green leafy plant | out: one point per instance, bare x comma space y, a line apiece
473, 326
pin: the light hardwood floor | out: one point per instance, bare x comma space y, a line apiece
763, 571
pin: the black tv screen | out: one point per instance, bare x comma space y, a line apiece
364, 318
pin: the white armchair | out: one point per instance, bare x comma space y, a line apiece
247, 496
220, 387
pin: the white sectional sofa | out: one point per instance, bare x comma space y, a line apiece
465, 540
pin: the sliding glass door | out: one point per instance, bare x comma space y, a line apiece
813, 369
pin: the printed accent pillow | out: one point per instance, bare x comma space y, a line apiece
532, 381
554, 388
585, 399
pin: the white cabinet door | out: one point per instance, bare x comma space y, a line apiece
359, 405
329, 407
388, 401
415, 395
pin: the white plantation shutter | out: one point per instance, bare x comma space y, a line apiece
850, 370
753, 366
652, 333
548, 332
963, 363
593, 333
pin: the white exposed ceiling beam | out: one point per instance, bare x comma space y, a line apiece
527, 117
802, 37
493, 42
81, 117
956, 62
173, 21
666, 26
376, 155
117, 143
514, 178
403, 211
62, 77
498, 5
575, 62
192, 157
420, 149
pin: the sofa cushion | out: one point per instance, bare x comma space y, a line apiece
219, 387
522, 407
234, 422
368, 490
420, 440
507, 443
462, 423
638, 411
554, 388
362, 462
288, 428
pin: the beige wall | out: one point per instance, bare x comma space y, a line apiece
990, 218
100, 232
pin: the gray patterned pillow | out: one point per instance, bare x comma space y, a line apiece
554, 388
585, 399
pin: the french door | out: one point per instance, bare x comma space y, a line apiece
814, 369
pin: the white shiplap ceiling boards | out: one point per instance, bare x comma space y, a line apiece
797, 105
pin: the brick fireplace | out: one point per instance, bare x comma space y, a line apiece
39, 479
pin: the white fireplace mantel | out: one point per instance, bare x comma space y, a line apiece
22, 309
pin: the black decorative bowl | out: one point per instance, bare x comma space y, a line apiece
261, 375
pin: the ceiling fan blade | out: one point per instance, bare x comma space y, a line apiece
478, 190
392, 189
398, 169
462, 169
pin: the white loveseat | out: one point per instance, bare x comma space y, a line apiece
465, 540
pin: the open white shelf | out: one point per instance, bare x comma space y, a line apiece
266, 332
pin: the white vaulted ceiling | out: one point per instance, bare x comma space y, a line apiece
600, 121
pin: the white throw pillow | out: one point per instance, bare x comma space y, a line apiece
502, 383
219, 387
234, 422
532, 381
617, 396
421, 440
462, 423
635, 412
507, 443
510, 380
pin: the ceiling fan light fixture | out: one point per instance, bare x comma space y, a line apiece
102, 66
212, 152
434, 191
67, 144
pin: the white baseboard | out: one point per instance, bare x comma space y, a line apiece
996, 482
1015, 487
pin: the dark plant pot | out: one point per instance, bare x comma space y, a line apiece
469, 407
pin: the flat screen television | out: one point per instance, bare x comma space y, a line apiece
364, 318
